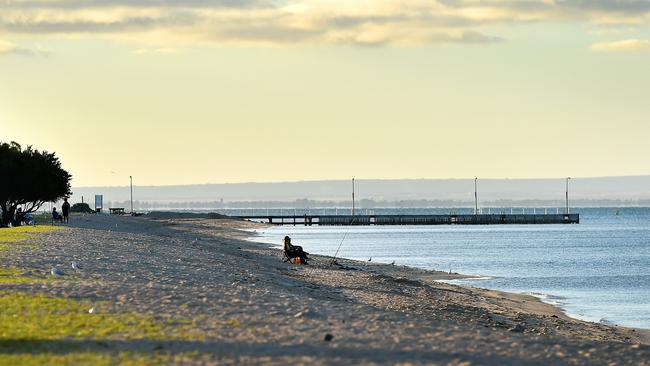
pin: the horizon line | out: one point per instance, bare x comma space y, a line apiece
363, 179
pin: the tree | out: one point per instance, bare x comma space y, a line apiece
81, 207
29, 178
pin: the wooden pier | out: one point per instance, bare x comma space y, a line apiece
451, 219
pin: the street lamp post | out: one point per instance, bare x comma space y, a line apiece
352, 197
567, 194
475, 197
131, 180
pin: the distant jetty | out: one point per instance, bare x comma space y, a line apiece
449, 219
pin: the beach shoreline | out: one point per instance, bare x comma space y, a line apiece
254, 308
458, 278
544, 308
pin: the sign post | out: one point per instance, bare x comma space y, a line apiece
99, 203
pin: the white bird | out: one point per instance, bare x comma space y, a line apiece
91, 310
57, 272
76, 266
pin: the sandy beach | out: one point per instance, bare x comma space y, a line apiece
237, 302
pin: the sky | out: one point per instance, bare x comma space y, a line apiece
222, 91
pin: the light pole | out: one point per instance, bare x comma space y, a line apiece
475, 197
567, 194
353, 197
131, 179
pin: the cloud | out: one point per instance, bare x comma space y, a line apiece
10, 48
161, 51
624, 45
164, 23
6, 47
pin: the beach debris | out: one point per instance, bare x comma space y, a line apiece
57, 272
370, 260
91, 310
76, 266
328, 337
518, 328
393, 263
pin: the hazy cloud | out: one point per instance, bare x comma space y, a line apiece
289, 22
160, 51
10, 48
624, 45
87, 4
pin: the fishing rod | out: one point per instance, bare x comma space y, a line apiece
347, 231
333, 261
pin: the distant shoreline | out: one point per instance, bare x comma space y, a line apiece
590, 191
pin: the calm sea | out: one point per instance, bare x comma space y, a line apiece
598, 270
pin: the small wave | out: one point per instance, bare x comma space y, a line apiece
549, 298
542, 295
467, 281
478, 278
606, 321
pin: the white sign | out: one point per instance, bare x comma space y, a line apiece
99, 201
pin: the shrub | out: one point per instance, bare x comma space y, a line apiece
81, 207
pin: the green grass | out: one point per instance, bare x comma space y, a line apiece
15, 275
99, 358
11, 236
41, 317
39, 329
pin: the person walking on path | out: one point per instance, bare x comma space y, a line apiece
65, 210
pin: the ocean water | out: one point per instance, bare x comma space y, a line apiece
598, 270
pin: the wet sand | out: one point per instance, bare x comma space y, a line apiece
253, 308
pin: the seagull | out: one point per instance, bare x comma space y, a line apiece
76, 266
370, 260
57, 272
91, 310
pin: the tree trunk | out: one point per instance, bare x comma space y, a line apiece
7, 216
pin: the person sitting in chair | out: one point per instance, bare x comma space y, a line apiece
56, 216
294, 251
29, 219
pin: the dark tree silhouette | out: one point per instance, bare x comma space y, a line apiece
29, 178
81, 207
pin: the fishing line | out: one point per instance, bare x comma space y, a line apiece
343, 239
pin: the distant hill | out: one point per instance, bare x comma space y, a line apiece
490, 190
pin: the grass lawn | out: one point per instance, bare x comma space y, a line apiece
13, 235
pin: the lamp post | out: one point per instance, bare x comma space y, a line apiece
352, 197
475, 197
131, 180
567, 194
